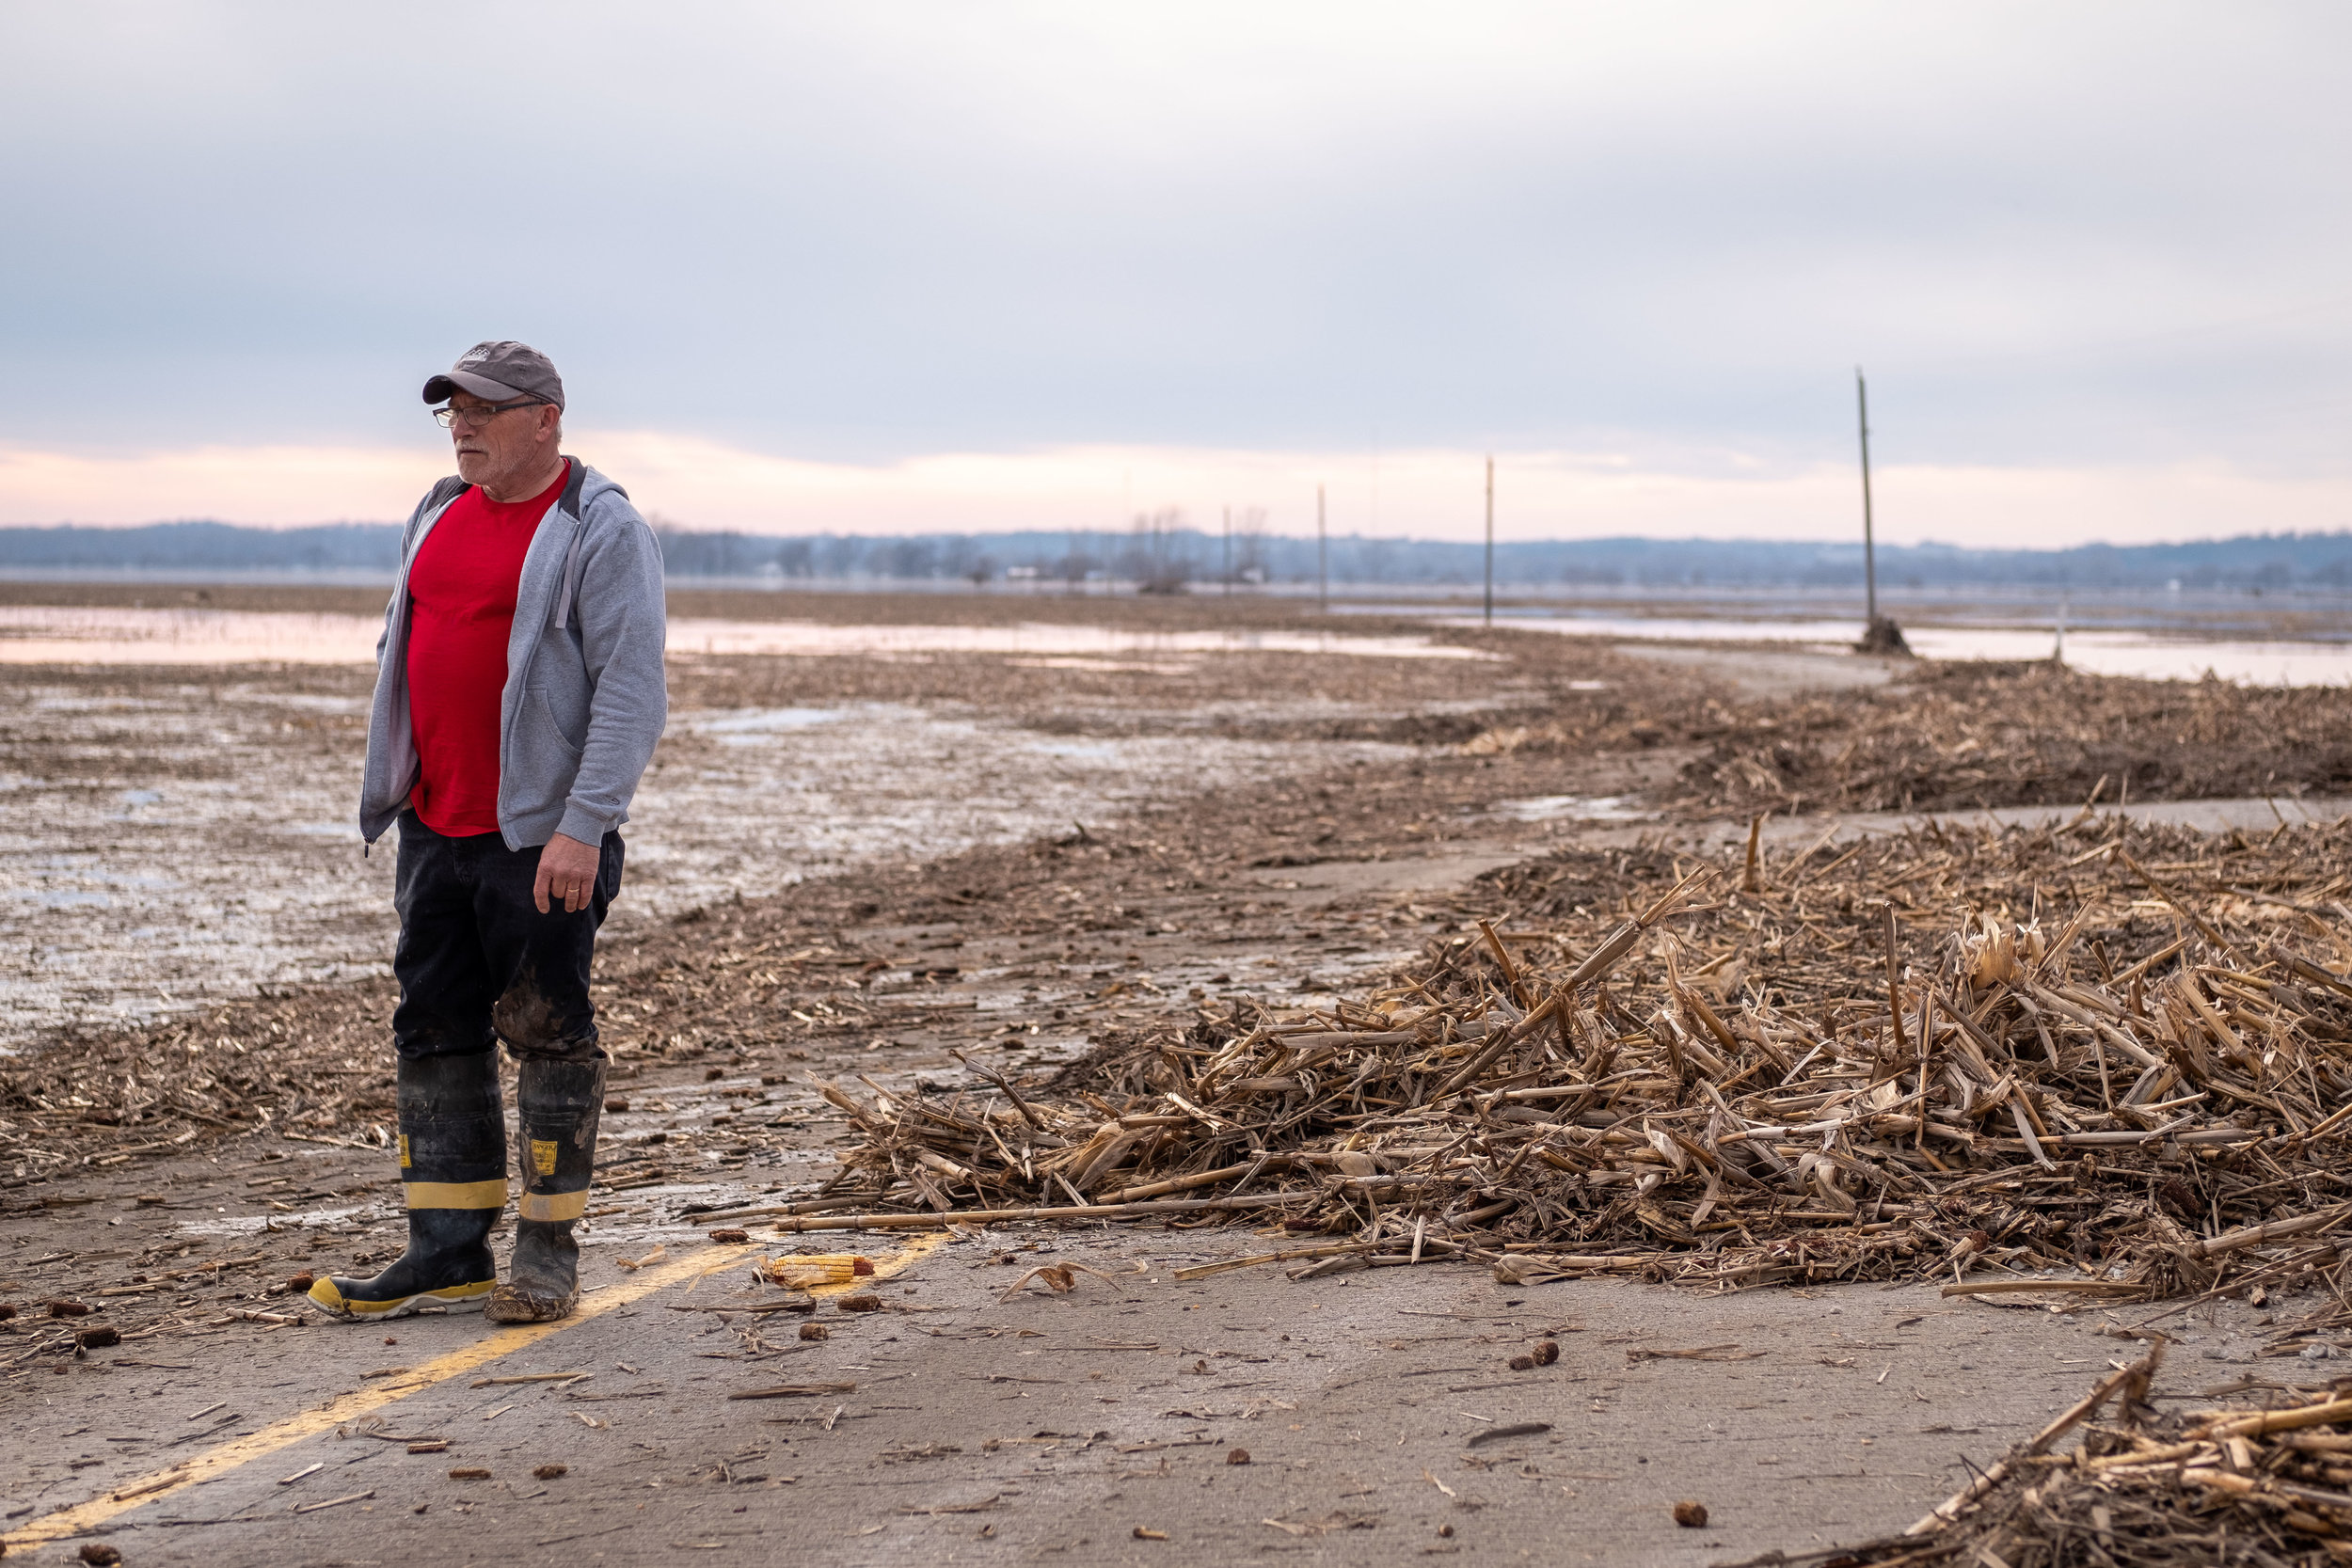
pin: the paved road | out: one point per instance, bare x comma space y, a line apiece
953, 1425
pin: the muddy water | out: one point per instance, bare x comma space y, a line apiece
48, 634
58, 634
166, 839
164, 842
2143, 656
54, 634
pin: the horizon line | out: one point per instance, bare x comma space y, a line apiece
1214, 535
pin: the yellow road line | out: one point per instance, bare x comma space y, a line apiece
494, 1345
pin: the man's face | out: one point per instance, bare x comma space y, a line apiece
492, 448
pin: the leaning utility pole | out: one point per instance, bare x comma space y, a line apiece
1490, 542
1879, 635
1323, 559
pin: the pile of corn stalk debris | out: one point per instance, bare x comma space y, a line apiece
2106, 1060
2265, 1488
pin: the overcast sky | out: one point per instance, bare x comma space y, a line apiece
889, 266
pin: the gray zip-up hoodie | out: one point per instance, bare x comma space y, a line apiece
585, 697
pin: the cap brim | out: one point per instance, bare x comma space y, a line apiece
440, 386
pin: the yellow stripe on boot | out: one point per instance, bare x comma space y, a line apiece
552, 1206
457, 1195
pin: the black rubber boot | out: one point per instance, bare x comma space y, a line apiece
452, 1163
558, 1102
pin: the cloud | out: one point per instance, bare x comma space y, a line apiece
2098, 236
1426, 492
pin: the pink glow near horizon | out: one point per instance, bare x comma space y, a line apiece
1428, 493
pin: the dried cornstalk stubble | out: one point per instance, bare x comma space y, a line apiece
2254, 1487
2104, 1058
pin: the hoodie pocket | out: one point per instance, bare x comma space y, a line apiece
549, 732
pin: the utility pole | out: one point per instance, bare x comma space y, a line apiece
1323, 559
1869, 544
1490, 542
1228, 553
1879, 636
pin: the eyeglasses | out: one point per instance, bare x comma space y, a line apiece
480, 417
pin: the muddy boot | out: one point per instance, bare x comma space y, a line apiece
558, 1102
452, 1163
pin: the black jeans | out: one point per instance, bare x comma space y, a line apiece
478, 963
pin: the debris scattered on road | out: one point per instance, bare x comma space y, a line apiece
551, 1472
1930, 1051
1497, 1434
1691, 1514
803, 1272
1061, 1279
2152, 1486
796, 1391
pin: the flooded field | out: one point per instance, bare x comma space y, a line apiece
180, 840
157, 636
2142, 655
54, 634
177, 779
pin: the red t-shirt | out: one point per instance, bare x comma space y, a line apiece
461, 594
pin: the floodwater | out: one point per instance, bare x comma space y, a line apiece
2144, 655
166, 838
1574, 808
45, 634
168, 842
53, 634
56, 634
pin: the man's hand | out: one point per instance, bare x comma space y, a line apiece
567, 872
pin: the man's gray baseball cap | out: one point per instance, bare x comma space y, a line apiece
500, 371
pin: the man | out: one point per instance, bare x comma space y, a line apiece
519, 695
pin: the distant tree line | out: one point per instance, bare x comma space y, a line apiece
206, 546
1159, 552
